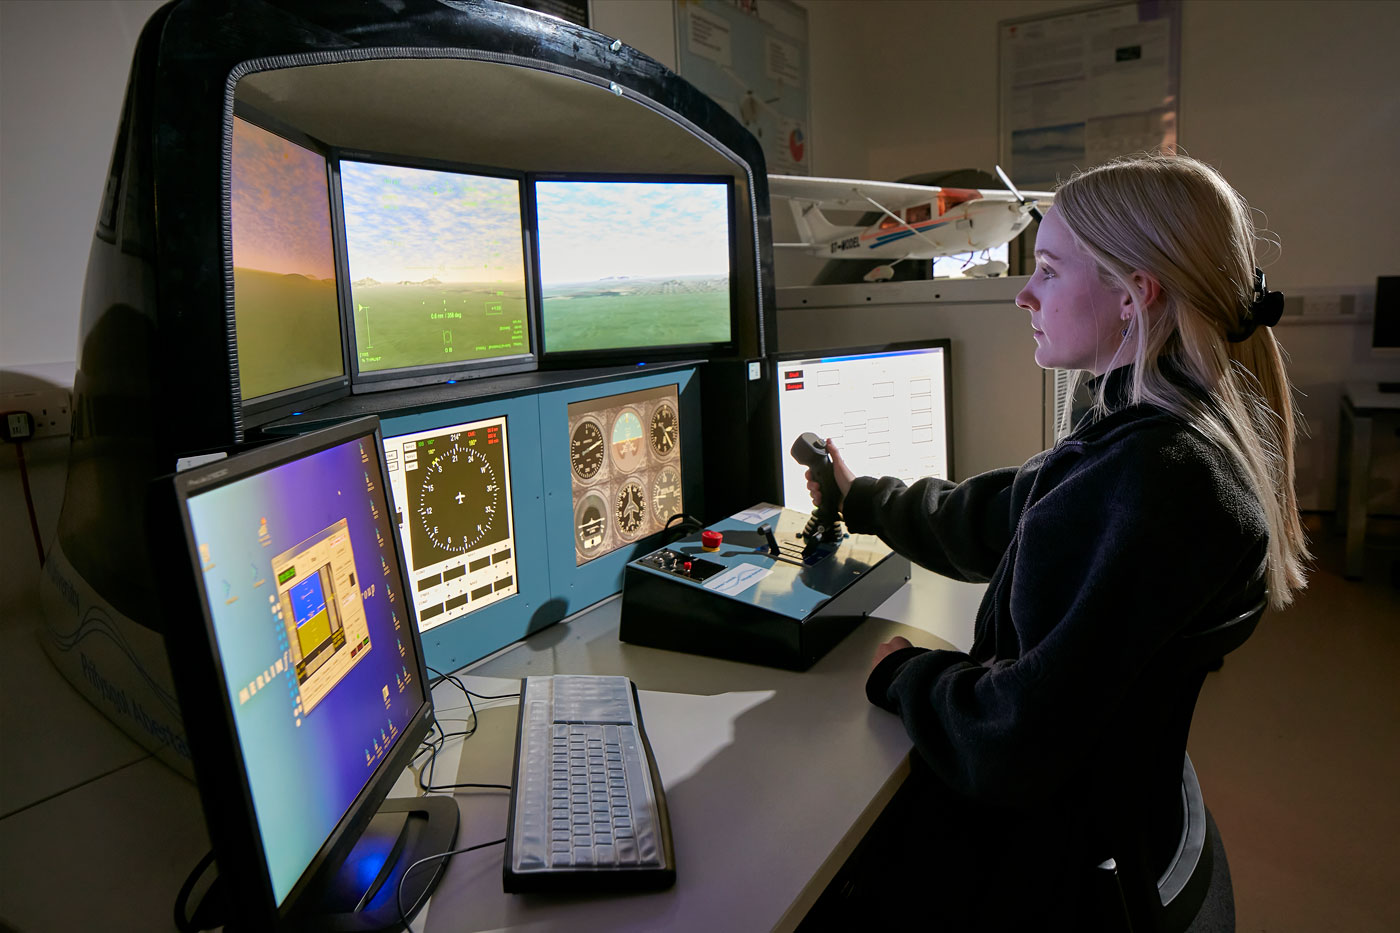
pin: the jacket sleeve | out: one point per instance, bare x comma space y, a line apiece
1106, 568
959, 530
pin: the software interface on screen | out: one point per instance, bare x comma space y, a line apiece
633, 263
436, 263
886, 411
625, 467
314, 637
285, 309
453, 489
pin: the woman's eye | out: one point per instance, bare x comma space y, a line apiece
1046, 272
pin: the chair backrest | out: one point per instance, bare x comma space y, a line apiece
1139, 893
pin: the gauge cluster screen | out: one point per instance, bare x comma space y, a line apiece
625, 468
452, 489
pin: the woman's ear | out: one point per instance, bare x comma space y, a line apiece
1146, 289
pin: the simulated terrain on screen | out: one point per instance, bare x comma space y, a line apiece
633, 264
437, 267
285, 310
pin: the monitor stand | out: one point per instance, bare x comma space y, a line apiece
360, 895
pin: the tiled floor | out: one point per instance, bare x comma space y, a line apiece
1297, 744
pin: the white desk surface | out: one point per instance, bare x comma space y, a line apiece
1368, 395
771, 778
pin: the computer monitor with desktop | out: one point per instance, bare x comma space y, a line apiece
301, 676
887, 408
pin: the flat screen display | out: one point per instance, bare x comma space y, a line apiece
303, 588
625, 468
886, 410
436, 263
628, 264
285, 307
452, 485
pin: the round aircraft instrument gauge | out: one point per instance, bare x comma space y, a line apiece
630, 508
590, 524
666, 494
458, 497
586, 449
663, 435
627, 450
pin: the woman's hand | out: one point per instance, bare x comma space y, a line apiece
889, 647
844, 476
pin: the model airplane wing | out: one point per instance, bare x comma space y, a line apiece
852, 194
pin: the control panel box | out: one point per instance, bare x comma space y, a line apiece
762, 593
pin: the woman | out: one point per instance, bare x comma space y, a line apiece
1169, 507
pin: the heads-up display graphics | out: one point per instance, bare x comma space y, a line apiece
633, 264
625, 466
302, 586
886, 411
453, 490
437, 266
285, 307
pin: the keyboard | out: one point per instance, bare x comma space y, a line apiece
587, 810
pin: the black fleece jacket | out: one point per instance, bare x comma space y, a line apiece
1132, 529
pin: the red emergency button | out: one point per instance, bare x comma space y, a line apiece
711, 540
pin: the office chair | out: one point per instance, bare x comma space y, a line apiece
1192, 891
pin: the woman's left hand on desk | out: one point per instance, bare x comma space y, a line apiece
894, 644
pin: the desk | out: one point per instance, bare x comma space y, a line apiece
772, 777
1362, 403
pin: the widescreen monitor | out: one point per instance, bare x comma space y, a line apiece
301, 677
887, 409
628, 264
435, 260
1385, 326
285, 305
452, 486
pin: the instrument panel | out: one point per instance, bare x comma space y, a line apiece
625, 468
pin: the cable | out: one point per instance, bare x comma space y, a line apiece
200, 920
16, 428
398, 894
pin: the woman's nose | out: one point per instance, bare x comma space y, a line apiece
1025, 300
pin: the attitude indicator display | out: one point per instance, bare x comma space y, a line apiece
452, 487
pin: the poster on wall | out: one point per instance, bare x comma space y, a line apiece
1080, 87
751, 58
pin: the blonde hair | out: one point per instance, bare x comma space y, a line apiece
1178, 220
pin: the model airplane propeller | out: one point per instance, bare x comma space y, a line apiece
917, 222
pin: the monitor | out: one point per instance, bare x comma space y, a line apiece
435, 260
301, 680
286, 309
628, 264
452, 486
887, 409
624, 467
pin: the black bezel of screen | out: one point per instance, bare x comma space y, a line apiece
940, 343
203, 693
273, 405
431, 373
646, 353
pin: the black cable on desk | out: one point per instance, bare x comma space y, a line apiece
398, 893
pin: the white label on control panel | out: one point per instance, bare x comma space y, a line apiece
755, 371
737, 579
758, 514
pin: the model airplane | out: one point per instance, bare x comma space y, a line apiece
919, 222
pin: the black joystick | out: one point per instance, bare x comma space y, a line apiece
825, 524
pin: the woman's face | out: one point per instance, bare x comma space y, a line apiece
1077, 319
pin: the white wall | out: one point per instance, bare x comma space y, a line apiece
63, 70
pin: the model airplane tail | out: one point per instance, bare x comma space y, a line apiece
813, 226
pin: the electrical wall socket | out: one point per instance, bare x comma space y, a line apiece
52, 410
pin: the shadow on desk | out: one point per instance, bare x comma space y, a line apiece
771, 778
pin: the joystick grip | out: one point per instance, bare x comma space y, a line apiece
810, 451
